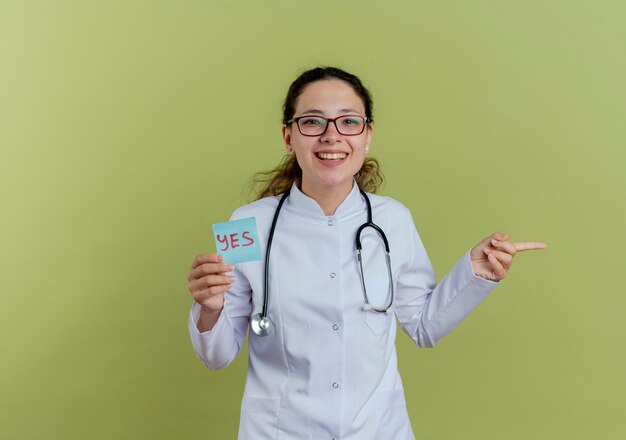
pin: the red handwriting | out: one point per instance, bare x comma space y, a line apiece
232, 240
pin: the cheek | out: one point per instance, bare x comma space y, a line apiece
358, 157
302, 150
358, 149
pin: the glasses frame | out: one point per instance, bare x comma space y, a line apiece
328, 121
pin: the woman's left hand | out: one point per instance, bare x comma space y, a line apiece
492, 257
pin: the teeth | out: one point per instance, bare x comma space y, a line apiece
331, 155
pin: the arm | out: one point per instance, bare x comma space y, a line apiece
428, 311
207, 319
218, 347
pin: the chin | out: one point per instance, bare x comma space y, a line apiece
336, 180
332, 177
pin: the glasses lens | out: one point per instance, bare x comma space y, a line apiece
312, 125
350, 125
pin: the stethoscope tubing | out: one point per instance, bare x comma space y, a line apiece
266, 286
262, 324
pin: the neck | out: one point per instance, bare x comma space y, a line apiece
328, 197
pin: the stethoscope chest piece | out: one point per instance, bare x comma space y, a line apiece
261, 325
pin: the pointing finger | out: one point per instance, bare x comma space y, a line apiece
530, 245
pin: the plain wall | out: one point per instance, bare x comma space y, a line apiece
128, 127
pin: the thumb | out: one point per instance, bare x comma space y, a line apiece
477, 251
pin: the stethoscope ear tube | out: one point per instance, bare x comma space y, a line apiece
368, 305
377, 229
370, 224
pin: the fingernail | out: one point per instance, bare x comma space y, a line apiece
494, 241
487, 251
230, 267
219, 257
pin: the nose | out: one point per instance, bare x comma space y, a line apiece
331, 134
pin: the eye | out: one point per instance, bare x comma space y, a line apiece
311, 121
351, 121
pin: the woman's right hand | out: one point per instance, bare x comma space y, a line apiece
208, 281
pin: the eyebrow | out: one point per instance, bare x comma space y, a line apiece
320, 112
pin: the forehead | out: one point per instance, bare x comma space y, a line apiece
330, 96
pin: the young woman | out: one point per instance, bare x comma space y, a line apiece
322, 358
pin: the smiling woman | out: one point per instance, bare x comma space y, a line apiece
324, 365
353, 119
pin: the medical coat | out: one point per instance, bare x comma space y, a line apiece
329, 370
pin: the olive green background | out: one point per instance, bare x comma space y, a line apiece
127, 128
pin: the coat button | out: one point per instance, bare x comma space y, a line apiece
330, 222
333, 274
335, 327
335, 385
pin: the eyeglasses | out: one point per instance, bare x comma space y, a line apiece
317, 125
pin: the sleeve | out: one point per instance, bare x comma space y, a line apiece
218, 347
428, 311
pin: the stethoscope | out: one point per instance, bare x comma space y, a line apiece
261, 323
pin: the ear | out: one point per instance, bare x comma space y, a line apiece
369, 135
287, 139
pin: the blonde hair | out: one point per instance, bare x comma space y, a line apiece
281, 178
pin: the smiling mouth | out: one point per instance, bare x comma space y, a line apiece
331, 156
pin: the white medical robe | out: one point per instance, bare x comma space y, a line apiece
329, 370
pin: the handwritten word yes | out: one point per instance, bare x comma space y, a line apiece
232, 240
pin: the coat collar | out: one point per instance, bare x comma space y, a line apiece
303, 205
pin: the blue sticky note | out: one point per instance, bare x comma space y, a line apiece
237, 241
